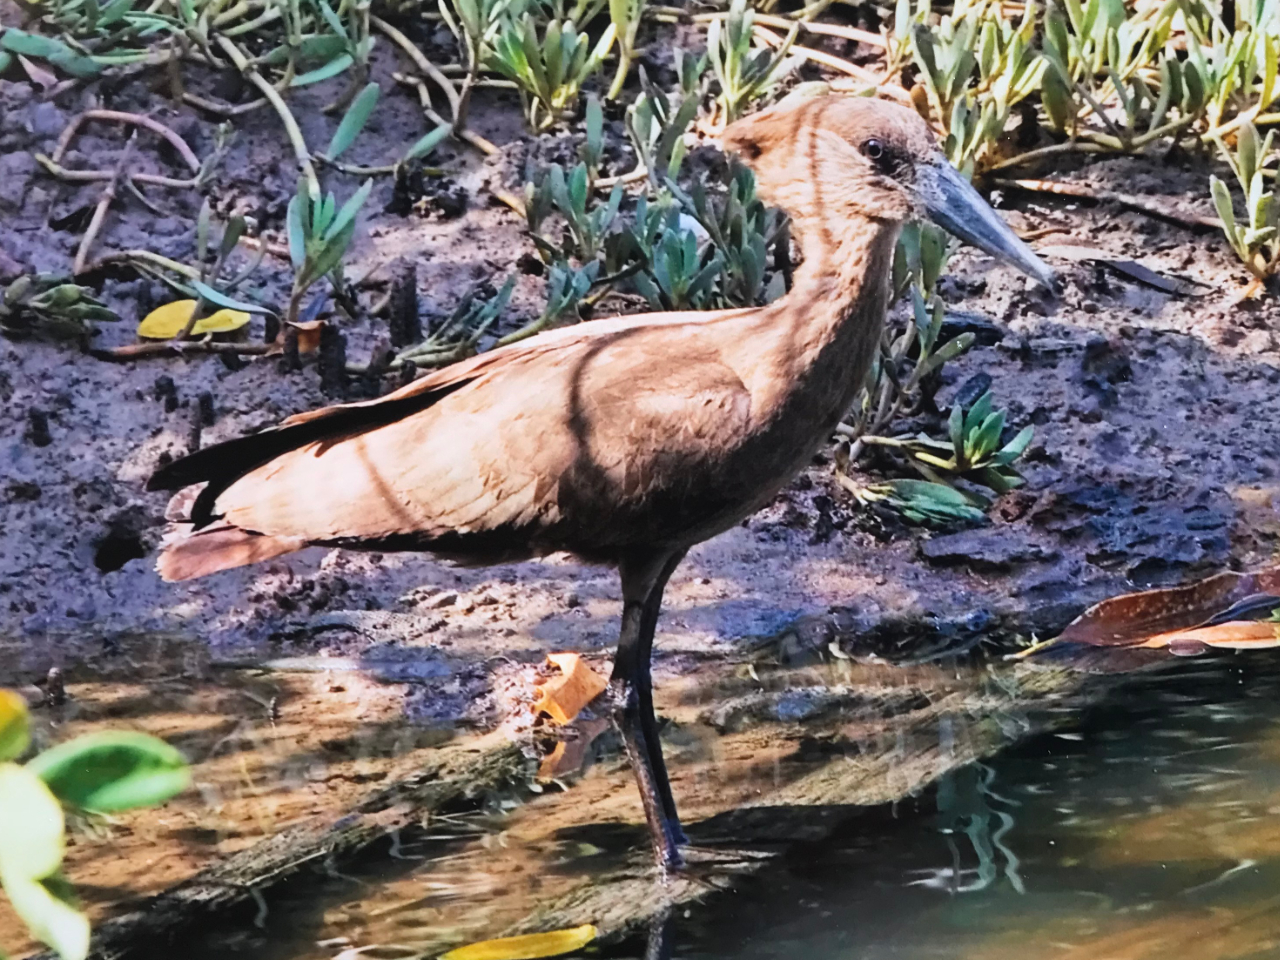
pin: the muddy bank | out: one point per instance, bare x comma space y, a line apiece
1156, 416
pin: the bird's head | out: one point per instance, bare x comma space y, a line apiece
827, 158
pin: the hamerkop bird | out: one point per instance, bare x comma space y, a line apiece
623, 441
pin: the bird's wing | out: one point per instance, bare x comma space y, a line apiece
574, 438
220, 465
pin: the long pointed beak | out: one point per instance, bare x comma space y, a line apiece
954, 205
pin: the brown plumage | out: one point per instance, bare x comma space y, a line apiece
623, 441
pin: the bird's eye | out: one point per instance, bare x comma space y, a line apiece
873, 150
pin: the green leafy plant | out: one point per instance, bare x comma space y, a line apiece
907, 357
677, 275
474, 23
549, 70
656, 126
1254, 239
319, 235
626, 17
742, 229
460, 335
353, 123
99, 773
572, 196
54, 52
43, 305
919, 501
566, 287
973, 449
745, 76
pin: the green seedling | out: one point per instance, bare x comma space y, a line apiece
1254, 238
548, 70
460, 335
976, 66
54, 52
353, 123
475, 24
742, 230
906, 359
745, 76
625, 16
41, 305
319, 235
98, 773
677, 275
657, 127
572, 196
351, 43
921, 501
566, 287
973, 449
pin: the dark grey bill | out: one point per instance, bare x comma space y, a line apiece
956, 207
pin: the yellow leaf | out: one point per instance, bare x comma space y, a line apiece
528, 947
14, 725
164, 323
562, 697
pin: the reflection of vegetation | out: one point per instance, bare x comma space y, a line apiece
965, 807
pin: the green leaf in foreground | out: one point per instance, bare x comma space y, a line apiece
113, 770
31, 826
49, 916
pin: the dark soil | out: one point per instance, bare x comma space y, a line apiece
1155, 459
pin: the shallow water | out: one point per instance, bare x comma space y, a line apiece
1148, 828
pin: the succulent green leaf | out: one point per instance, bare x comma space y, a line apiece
333, 68
1222, 202
112, 770
347, 215
354, 120
31, 826
295, 218
46, 48
220, 299
428, 143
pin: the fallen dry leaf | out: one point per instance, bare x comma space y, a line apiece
563, 697
570, 754
528, 947
1133, 618
166, 322
308, 335
1233, 635
39, 76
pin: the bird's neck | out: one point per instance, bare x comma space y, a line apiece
821, 337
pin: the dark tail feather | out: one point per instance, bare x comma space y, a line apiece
194, 554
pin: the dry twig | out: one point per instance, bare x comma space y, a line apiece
104, 203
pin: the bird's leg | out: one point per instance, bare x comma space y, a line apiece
642, 586
648, 721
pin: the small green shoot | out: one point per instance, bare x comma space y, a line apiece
1254, 239
745, 76
319, 235
549, 70
46, 306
